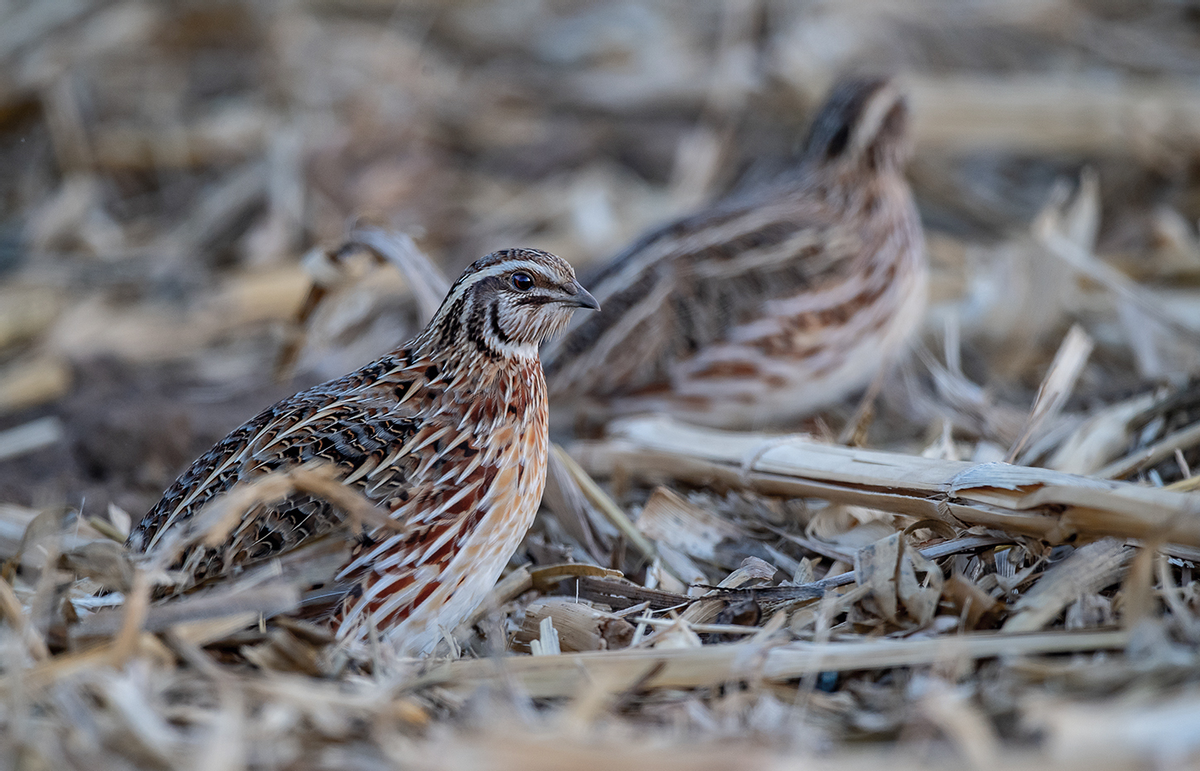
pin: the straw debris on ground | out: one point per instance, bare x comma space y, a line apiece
989, 563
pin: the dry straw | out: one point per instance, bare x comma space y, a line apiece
696, 599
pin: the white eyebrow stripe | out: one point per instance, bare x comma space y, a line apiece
498, 269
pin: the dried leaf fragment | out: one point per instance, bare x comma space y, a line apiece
898, 576
1089, 569
580, 626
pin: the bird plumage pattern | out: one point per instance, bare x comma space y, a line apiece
771, 303
447, 432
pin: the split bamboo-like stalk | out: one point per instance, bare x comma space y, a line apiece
1032, 501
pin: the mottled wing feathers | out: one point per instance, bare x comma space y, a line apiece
357, 423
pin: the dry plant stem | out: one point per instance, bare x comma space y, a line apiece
544, 577
196, 657
1138, 600
1173, 597
30, 437
566, 500
535, 751
1148, 456
622, 595
137, 602
264, 601
10, 605
854, 433
1049, 233
1184, 485
1088, 570
1076, 115
617, 592
600, 500
428, 283
698, 628
107, 529
68, 665
28, 383
711, 665
217, 209
1056, 387
1030, 501
523, 579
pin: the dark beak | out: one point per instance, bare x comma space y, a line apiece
579, 297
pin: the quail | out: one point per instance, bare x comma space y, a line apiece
769, 304
447, 433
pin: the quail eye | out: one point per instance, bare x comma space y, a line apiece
522, 282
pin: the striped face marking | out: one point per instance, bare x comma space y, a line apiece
507, 303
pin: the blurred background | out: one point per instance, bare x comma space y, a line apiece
166, 164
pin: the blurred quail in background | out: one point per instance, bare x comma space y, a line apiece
771, 303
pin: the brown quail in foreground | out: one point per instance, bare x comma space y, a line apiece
447, 432
771, 303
